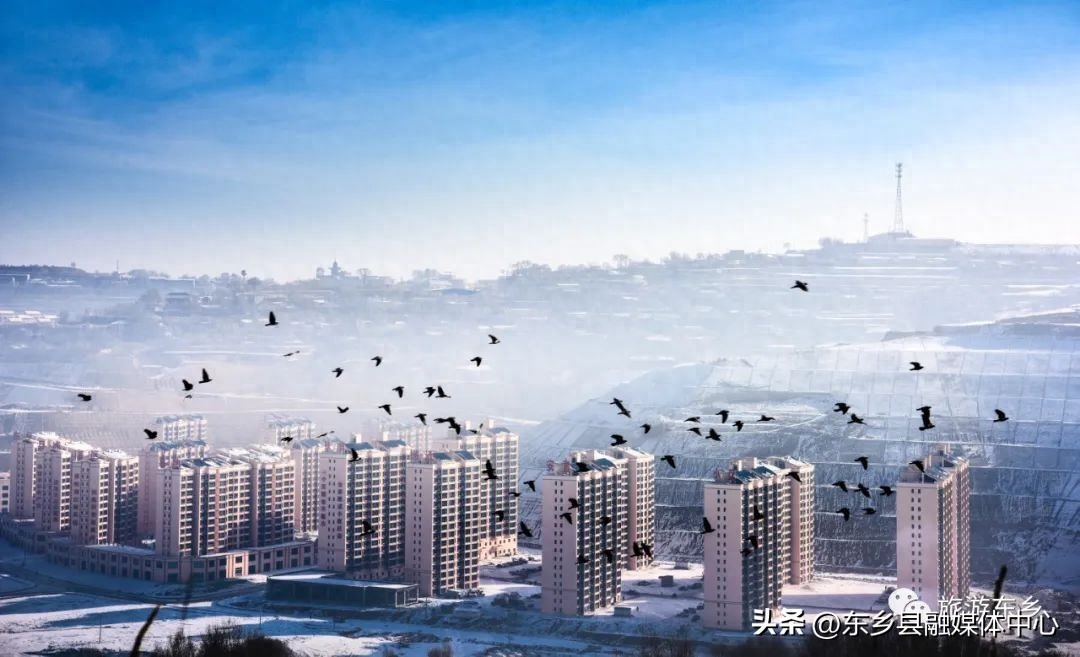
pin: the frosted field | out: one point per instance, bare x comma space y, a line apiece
34, 623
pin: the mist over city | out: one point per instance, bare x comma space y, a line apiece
527, 329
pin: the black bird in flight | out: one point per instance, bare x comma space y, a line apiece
286, 439
513, 493
865, 460
524, 530
440, 393
605, 520
863, 489
766, 418
325, 434
842, 485
841, 407
696, 418
647, 549
918, 463
499, 514
647, 427
753, 540
669, 459
637, 551
886, 490
926, 423
758, 515
444, 420
422, 417
531, 484
476, 360
355, 455
85, 397
618, 403
342, 409
494, 340
925, 410
617, 440
568, 517
273, 319
489, 470
800, 285
915, 366
378, 360
386, 407
429, 391
368, 529
582, 559
574, 503
706, 526
338, 371
713, 435
291, 353
1001, 417
205, 376
400, 390
609, 555
868, 511
188, 385
696, 430
846, 512
150, 435
581, 467
855, 419
794, 475
738, 425
723, 416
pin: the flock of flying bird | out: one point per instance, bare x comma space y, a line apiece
639, 549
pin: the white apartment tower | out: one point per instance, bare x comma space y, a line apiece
443, 496
104, 499
172, 428
501, 447
752, 501
152, 459
305, 456
640, 503
41, 480
369, 487
583, 557
933, 528
272, 476
206, 507
281, 426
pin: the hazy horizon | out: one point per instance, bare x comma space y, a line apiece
466, 138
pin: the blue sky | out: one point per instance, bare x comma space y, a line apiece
206, 137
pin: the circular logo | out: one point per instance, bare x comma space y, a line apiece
900, 598
917, 607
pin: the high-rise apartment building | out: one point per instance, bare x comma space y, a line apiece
104, 499
272, 474
152, 459
802, 528
282, 426
443, 497
640, 504
751, 503
5, 492
933, 528
173, 428
365, 482
305, 456
583, 550
498, 538
41, 481
206, 507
